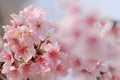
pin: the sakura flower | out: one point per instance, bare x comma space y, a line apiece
14, 74
61, 69
32, 12
25, 53
17, 20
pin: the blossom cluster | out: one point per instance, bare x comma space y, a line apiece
30, 52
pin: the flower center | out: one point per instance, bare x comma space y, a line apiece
22, 49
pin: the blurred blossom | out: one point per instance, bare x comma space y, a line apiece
94, 43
